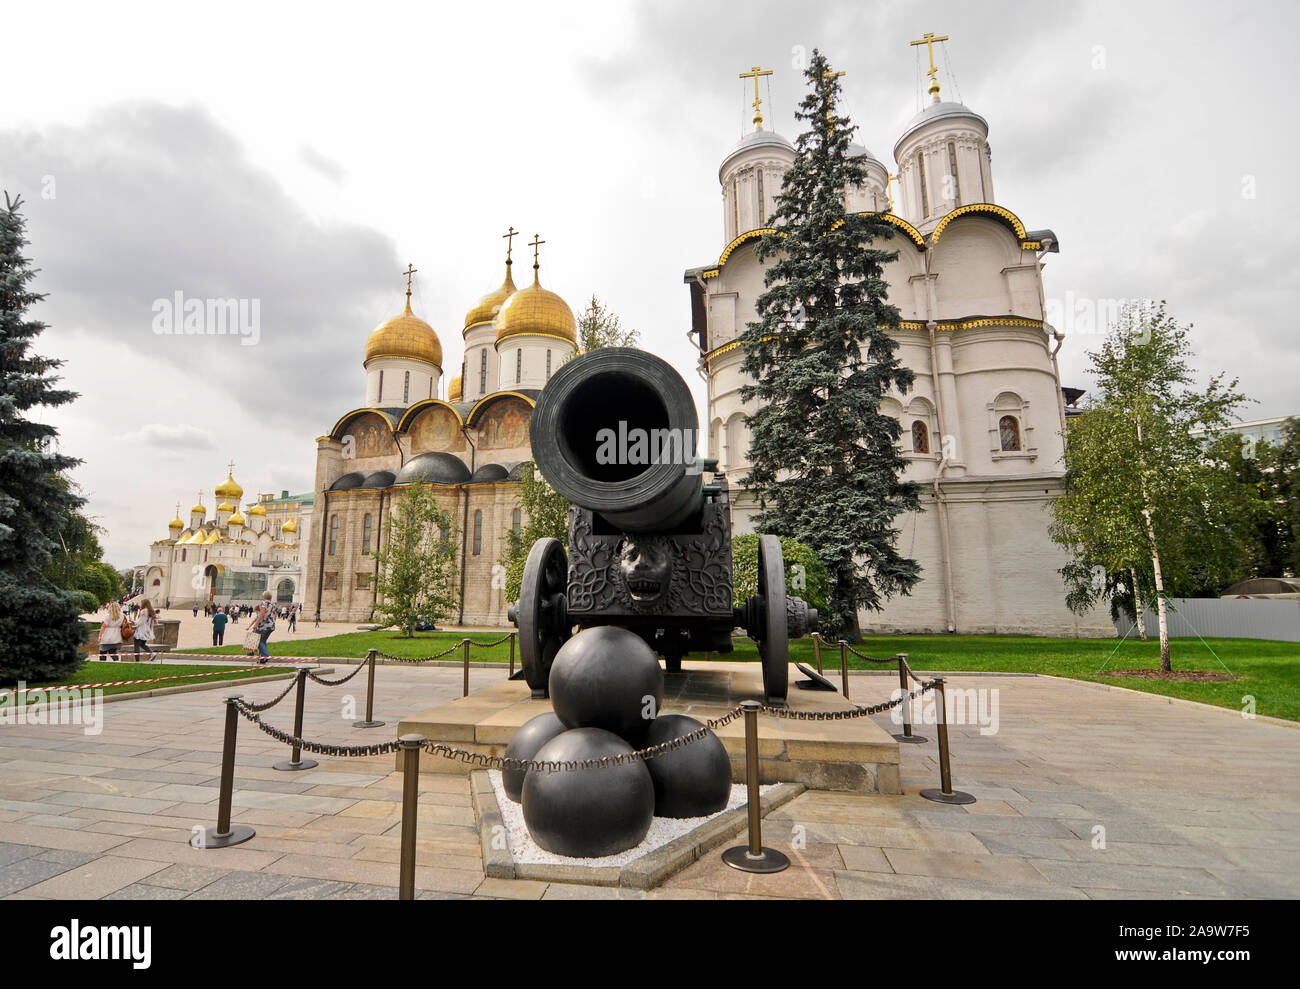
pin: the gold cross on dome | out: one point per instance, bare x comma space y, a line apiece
231, 468
535, 243
928, 39
509, 237
754, 74
410, 270
828, 75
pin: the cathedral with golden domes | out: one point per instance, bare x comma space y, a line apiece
230, 558
467, 446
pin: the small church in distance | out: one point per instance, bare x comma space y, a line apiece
469, 446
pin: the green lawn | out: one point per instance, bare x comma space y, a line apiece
97, 672
1268, 671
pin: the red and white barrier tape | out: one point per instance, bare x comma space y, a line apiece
125, 683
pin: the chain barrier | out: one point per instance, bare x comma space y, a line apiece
892, 659
250, 712
257, 708
494, 642
485, 761
423, 659
334, 683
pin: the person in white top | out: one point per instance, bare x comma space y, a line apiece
110, 631
144, 629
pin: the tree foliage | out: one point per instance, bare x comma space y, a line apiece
544, 512
417, 561
39, 624
825, 460
1142, 491
805, 574
598, 327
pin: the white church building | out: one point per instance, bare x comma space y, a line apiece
982, 426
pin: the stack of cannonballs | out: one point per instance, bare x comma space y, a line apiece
606, 688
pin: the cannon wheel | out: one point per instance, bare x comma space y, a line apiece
773, 640
542, 611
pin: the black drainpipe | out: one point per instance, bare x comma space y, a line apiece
464, 529
324, 534
379, 538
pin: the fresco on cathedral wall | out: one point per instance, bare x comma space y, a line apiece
505, 425
371, 437
436, 430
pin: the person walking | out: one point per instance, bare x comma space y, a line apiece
219, 627
263, 623
293, 619
318, 617
144, 629
196, 611
110, 632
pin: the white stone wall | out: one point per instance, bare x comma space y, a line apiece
423, 382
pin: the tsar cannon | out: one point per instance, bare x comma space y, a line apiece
649, 548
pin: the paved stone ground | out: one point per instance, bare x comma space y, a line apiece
1194, 804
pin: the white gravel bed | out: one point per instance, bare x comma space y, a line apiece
662, 830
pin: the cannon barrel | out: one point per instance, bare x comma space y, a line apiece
615, 431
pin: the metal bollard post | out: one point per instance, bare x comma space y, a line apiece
753, 857
296, 761
370, 721
907, 735
945, 794
844, 667
225, 833
410, 812
465, 645
817, 650
513, 635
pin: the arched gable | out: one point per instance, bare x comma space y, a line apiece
433, 426
502, 420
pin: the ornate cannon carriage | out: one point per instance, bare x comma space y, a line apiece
649, 545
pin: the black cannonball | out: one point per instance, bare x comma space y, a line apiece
607, 677
693, 780
587, 813
524, 745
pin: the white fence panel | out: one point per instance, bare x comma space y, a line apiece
1232, 618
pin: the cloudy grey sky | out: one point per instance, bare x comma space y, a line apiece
301, 155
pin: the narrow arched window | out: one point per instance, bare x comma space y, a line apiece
380, 399
1009, 431
920, 437
334, 533
482, 373
406, 388
365, 535
548, 365
519, 364
516, 521
952, 168
478, 532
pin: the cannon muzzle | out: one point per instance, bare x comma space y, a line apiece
615, 432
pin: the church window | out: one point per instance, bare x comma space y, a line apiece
482, 373
515, 522
519, 364
183, 556
334, 533
406, 388
365, 535
925, 193
478, 532
331, 581
380, 399
363, 581
762, 205
445, 532
735, 208
1009, 431
548, 365
952, 167
920, 437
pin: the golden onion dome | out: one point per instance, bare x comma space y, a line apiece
290, 526
176, 524
455, 390
535, 310
225, 506
405, 336
199, 508
487, 307
235, 519
229, 490
258, 509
